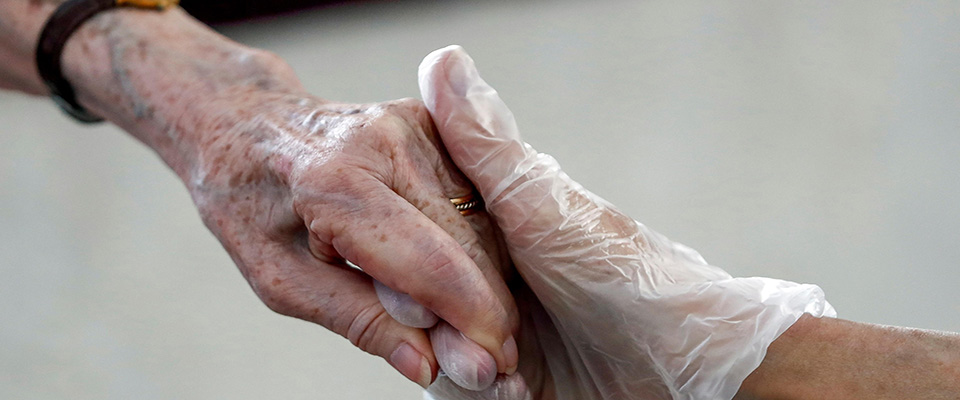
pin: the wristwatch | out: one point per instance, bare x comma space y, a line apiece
65, 20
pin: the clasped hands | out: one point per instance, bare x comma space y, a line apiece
551, 293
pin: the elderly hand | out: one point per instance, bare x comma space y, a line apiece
293, 186
632, 315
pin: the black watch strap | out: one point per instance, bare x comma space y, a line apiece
64, 21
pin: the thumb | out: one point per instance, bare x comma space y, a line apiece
477, 128
525, 191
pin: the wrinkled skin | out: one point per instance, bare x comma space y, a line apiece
534, 378
291, 184
300, 186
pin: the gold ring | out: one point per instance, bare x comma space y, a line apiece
468, 204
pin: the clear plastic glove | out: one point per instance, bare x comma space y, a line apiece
631, 315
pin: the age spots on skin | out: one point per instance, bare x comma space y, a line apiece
141, 49
267, 83
251, 177
255, 176
235, 180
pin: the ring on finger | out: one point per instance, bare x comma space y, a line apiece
468, 204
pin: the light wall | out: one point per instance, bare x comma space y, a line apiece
815, 141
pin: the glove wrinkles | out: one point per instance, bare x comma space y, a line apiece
629, 313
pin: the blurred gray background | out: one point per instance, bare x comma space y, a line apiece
814, 141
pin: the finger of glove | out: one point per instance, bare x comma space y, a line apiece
290, 281
561, 236
403, 308
391, 240
548, 219
505, 387
464, 361
488, 148
526, 192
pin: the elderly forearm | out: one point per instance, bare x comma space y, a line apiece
158, 75
827, 358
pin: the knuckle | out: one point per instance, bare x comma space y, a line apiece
322, 181
441, 264
471, 245
395, 118
306, 193
365, 327
389, 129
329, 196
444, 266
438, 260
310, 179
413, 112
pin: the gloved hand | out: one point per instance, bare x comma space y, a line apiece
632, 315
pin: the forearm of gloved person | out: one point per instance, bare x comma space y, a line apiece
829, 358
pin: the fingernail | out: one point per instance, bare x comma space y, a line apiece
464, 361
467, 371
411, 364
511, 355
426, 376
